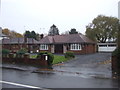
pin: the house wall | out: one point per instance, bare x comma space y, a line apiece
49, 49
52, 49
86, 49
64, 48
16, 47
12, 47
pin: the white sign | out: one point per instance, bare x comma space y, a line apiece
46, 57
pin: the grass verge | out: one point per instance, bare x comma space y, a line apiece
59, 59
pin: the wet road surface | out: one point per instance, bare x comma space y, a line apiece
55, 80
82, 72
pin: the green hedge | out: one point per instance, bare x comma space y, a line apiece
69, 55
116, 52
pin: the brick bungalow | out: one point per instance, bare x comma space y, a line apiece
15, 44
76, 43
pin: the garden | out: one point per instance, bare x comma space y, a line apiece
22, 56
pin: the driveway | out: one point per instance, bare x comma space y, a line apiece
95, 65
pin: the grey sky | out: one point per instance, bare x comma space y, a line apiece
39, 15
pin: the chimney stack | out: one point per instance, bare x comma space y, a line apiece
41, 36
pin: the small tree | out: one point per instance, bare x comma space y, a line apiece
53, 31
21, 52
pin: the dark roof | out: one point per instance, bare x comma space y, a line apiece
19, 40
71, 38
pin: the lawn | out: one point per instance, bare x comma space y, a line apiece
33, 56
59, 59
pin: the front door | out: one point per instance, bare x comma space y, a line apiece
59, 48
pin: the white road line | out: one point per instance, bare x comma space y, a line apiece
22, 85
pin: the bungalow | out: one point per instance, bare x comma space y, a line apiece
15, 44
76, 43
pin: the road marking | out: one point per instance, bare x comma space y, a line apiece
22, 85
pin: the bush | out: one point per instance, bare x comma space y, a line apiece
21, 52
69, 55
5, 52
50, 57
116, 52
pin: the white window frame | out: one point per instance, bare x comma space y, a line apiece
75, 47
43, 47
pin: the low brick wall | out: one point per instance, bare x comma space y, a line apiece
38, 61
115, 68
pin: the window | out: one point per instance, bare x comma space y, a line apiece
75, 47
43, 47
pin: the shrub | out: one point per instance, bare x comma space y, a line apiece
5, 52
69, 55
116, 52
50, 58
21, 52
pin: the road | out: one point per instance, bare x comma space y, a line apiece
82, 72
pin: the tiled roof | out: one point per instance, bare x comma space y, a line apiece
72, 38
19, 40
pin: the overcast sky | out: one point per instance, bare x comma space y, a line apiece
39, 15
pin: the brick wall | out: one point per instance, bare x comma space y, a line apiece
86, 49
28, 61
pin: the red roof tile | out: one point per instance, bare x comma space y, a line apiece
72, 38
